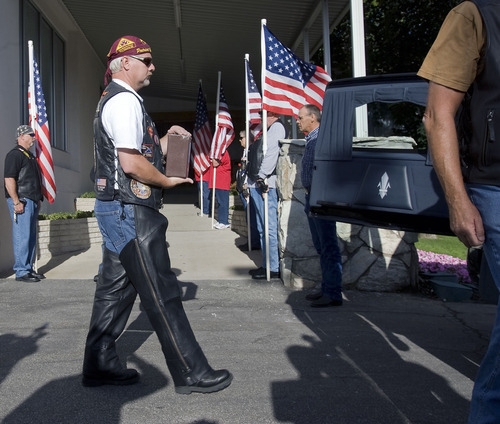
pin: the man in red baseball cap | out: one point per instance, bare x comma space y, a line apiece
129, 184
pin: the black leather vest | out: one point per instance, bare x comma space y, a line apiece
29, 180
482, 156
107, 166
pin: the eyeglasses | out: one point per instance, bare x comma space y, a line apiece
31, 134
148, 61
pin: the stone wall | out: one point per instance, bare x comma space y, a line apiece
237, 216
373, 259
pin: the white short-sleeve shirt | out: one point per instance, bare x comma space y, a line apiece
122, 120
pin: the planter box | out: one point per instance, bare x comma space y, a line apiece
238, 222
84, 204
62, 236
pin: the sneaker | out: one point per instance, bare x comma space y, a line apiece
220, 226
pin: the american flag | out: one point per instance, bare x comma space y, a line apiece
224, 134
38, 121
254, 103
289, 82
202, 136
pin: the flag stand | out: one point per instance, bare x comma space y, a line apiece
31, 92
247, 139
216, 126
201, 195
264, 150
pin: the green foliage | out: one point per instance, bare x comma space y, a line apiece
443, 245
232, 189
398, 35
88, 195
65, 215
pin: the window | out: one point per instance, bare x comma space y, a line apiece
49, 51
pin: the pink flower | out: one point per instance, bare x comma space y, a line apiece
433, 262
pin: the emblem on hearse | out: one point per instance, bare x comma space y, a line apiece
383, 185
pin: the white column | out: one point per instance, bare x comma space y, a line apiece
358, 59
326, 39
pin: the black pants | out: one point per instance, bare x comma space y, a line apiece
143, 267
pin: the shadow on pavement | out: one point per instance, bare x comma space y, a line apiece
12, 345
376, 373
60, 399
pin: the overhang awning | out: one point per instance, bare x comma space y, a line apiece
194, 39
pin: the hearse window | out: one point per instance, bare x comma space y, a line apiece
394, 126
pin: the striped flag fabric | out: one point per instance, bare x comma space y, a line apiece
290, 82
202, 136
39, 123
254, 103
224, 133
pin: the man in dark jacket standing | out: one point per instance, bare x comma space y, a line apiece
323, 231
23, 190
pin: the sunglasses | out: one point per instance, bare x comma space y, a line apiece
148, 61
31, 134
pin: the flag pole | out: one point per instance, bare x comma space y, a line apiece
201, 186
32, 113
264, 146
216, 126
31, 85
247, 138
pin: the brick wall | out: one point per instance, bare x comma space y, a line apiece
67, 235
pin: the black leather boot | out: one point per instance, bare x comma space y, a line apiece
147, 264
113, 301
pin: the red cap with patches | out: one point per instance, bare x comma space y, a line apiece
128, 45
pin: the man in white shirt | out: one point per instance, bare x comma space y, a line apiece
129, 183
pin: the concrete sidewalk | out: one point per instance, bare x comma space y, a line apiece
197, 251
380, 358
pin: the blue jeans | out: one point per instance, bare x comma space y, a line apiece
254, 233
258, 203
24, 236
324, 237
116, 222
222, 199
206, 195
485, 404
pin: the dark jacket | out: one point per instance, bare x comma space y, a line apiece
129, 190
21, 165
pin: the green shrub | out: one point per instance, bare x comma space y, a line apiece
65, 215
88, 195
232, 189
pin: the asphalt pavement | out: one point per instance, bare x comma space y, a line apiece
379, 358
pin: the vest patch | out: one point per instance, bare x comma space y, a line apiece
147, 150
142, 191
100, 184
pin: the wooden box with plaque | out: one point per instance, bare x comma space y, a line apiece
177, 152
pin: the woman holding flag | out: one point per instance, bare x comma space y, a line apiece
222, 184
